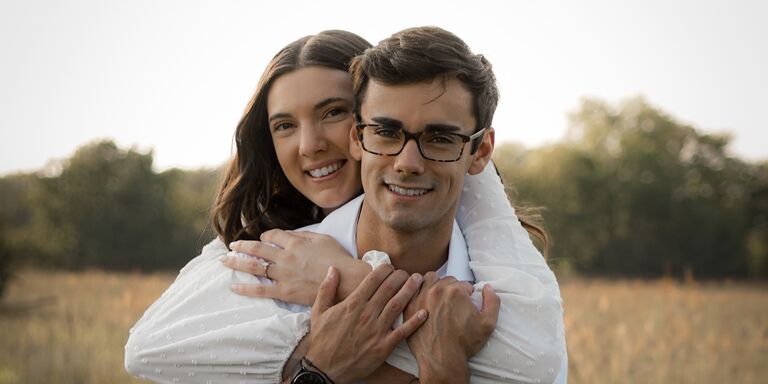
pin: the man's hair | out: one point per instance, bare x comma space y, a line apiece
422, 54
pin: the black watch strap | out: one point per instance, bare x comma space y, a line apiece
308, 377
310, 374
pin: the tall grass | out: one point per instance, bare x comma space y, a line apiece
617, 331
79, 337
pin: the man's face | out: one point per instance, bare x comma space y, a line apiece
407, 192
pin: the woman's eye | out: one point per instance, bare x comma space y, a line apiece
282, 126
336, 113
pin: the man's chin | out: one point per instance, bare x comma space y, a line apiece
405, 223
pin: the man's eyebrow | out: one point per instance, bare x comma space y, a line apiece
388, 121
442, 128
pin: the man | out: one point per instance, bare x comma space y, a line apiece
424, 106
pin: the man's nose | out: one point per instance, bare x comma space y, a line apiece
312, 139
409, 160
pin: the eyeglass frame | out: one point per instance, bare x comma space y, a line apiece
416, 136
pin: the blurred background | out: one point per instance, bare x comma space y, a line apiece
636, 128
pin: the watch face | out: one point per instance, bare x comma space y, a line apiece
308, 377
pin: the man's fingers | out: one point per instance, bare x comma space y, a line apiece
491, 305
397, 303
256, 248
387, 291
407, 328
371, 283
326, 293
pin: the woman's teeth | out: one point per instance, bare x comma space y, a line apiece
325, 171
405, 191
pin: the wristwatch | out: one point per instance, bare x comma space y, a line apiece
309, 374
306, 376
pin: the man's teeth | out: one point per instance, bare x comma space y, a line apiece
405, 191
325, 171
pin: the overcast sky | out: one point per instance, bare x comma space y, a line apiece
174, 76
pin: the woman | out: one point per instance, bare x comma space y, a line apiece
292, 167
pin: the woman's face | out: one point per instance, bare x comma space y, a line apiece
310, 115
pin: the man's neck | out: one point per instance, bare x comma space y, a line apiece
418, 251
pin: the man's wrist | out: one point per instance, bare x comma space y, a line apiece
443, 367
454, 373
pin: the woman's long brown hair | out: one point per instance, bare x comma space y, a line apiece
254, 195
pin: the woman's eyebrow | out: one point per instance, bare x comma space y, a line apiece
279, 116
329, 101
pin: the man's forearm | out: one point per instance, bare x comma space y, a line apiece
294, 361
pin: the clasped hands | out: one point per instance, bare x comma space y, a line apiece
354, 309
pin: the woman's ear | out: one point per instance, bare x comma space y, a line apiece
355, 148
483, 154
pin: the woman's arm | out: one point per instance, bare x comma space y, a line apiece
199, 331
529, 342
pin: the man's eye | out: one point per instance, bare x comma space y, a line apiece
388, 132
443, 139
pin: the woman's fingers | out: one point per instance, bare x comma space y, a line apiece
326, 293
281, 238
257, 290
256, 248
249, 264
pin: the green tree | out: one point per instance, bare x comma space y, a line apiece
108, 209
631, 191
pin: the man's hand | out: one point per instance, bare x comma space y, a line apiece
298, 264
350, 340
455, 331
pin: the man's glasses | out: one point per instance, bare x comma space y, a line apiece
433, 145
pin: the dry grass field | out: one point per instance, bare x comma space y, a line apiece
618, 331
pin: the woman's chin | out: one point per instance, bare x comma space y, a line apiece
330, 201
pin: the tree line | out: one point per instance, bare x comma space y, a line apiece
629, 191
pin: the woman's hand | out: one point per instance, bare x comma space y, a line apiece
351, 340
455, 331
297, 262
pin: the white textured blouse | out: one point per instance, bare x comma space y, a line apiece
199, 331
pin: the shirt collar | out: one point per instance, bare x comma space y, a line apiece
341, 224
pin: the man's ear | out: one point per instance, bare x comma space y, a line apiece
355, 147
483, 154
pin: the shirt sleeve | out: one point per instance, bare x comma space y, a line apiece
199, 331
528, 344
